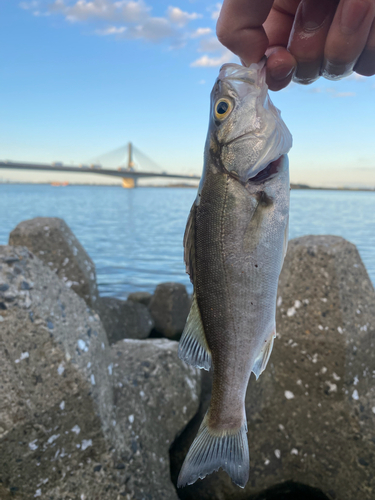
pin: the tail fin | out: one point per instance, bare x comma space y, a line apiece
210, 451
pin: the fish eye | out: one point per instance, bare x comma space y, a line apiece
223, 107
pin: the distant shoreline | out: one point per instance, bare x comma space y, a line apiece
189, 186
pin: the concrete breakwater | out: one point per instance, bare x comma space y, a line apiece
92, 408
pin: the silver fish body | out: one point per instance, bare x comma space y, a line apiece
235, 242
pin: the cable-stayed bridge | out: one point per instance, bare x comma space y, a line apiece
127, 162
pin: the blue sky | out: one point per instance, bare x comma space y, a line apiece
79, 78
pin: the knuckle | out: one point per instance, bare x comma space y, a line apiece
224, 36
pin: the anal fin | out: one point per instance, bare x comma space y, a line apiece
264, 355
193, 347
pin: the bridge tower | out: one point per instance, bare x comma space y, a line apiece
129, 182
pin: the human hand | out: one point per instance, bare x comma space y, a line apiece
303, 39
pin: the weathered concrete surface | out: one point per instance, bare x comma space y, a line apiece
141, 297
95, 478
53, 242
156, 395
124, 319
56, 395
169, 308
311, 415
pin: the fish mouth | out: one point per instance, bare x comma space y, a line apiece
267, 173
239, 137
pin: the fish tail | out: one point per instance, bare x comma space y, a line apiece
214, 449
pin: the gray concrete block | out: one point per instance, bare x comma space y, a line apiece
156, 396
311, 414
124, 319
53, 242
56, 395
169, 308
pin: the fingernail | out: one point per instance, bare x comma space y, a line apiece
306, 73
313, 14
335, 72
281, 72
303, 80
353, 14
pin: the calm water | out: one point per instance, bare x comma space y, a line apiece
135, 236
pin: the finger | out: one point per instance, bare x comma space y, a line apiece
239, 28
280, 63
347, 37
366, 63
308, 37
280, 21
280, 68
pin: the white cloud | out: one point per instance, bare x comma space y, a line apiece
37, 13
111, 30
344, 94
331, 91
30, 5
34, 7
125, 10
211, 62
128, 18
133, 11
133, 19
211, 44
178, 43
181, 18
83, 10
216, 12
201, 32
153, 30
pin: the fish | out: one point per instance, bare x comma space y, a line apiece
234, 247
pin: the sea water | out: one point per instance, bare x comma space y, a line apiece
135, 236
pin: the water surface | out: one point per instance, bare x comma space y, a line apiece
135, 236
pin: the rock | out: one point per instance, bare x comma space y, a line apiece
169, 308
65, 432
124, 319
156, 396
53, 242
56, 394
141, 297
97, 478
311, 415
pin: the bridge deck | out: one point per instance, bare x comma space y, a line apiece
88, 170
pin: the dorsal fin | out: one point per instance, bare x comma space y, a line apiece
286, 236
189, 244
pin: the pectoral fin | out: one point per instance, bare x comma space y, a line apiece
264, 355
253, 230
193, 347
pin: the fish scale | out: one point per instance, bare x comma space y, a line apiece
235, 242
